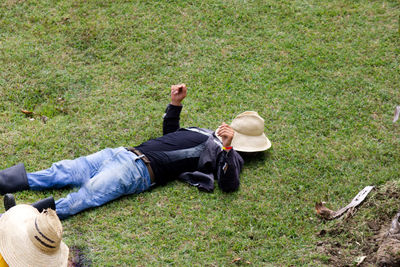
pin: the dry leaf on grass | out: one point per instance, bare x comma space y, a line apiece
27, 112
33, 114
236, 260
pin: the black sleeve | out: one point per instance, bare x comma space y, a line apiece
171, 119
229, 167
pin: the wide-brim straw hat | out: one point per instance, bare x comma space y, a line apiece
29, 238
249, 133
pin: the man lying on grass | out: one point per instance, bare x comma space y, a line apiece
194, 155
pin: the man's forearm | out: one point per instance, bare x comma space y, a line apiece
171, 119
229, 171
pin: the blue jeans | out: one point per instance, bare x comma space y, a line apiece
102, 177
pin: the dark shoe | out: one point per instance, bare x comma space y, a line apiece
13, 179
9, 201
47, 203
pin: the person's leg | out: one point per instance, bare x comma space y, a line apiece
13, 179
70, 172
121, 175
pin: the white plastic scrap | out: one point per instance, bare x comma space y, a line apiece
359, 260
356, 200
330, 214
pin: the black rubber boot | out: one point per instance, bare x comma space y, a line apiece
9, 201
47, 203
13, 179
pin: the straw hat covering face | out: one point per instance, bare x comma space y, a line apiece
30, 238
249, 133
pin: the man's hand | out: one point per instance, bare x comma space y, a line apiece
226, 133
178, 93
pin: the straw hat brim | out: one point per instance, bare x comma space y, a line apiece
15, 245
248, 143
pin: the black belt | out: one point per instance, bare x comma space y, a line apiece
145, 160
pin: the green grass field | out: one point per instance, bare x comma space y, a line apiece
323, 74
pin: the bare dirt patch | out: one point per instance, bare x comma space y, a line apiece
361, 239
77, 257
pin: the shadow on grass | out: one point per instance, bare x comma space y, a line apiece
252, 159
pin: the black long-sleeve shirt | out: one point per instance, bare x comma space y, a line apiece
177, 154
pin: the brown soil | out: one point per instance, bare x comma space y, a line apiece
364, 233
76, 258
